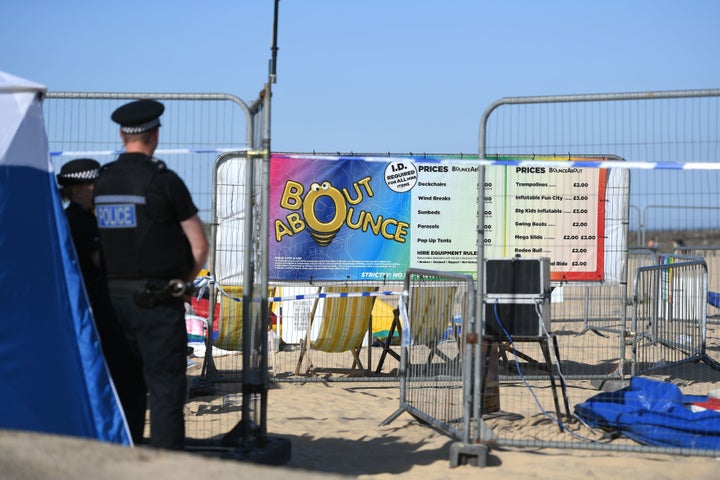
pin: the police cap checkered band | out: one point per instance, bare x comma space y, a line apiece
143, 127
78, 171
138, 116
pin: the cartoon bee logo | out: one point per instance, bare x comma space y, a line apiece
328, 201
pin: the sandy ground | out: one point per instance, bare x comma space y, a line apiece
333, 432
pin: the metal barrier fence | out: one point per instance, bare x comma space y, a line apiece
669, 314
436, 360
711, 255
588, 312
196, 128
654, 133
300, 314
293, 306
589, 319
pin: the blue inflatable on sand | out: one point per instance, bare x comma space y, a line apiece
654, 413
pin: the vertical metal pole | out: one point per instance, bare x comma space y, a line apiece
478, 366
264, 232
471, 397
209, 368
249, 381
625, 285
264, 196
482, 433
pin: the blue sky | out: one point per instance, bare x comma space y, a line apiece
366, 75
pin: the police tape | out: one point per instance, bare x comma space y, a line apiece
554, 161
202, 283
445, 159
312, 296
566, 166
159, 151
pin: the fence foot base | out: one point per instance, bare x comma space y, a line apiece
464, 454
609, 385
273, 451
392, 417
710, 362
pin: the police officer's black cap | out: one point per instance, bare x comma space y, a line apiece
138, 116
81, 170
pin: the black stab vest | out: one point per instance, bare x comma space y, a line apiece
135, 243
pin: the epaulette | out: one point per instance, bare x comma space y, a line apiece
158, 164
105, 167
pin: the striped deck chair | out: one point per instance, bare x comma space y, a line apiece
387, 342
227, 329
345, 323
431, 313
228, 335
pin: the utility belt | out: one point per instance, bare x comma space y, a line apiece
150, 292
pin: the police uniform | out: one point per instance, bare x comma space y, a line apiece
84, 232
140, 204
83, 224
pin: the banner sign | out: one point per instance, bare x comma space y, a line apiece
339, 218
372, 218
548, 211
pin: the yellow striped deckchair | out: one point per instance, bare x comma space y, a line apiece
430, 313
345, 322
226, 333
229, 326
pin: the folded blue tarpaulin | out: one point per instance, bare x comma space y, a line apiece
714, 299
653, 413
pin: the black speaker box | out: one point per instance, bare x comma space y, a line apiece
520, 317
517, 276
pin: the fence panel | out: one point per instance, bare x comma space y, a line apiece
196, 128
669, 314
591, 320
669, 142
435, 380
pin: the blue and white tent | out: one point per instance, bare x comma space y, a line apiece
53, 377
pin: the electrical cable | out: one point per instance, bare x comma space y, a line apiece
528, 386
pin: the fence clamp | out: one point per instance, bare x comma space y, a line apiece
630, 337
257, 153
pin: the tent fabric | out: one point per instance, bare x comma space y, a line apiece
54, 377
653, 413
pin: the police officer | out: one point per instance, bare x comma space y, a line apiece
77, 183
151, 235
77, 180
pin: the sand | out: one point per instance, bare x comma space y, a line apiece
333, 431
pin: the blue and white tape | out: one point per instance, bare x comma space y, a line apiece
159, 152
203, 283
540, 160
312, 296
602, 164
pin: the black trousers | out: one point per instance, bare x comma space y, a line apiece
159, 336
124, 363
